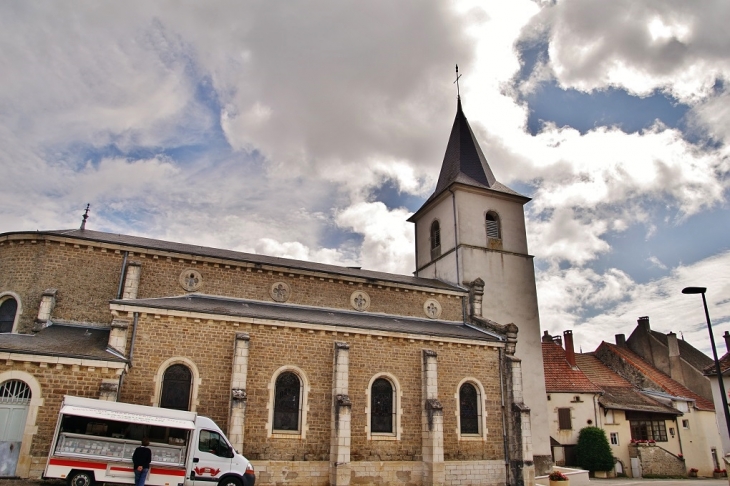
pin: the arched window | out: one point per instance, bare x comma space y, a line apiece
493, 229
435, 235
470, 410
382, 406
176, 384
15, 392
287, 402
8, 309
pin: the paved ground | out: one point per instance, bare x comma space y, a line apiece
594, 482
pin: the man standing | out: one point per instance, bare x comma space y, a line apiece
141, 459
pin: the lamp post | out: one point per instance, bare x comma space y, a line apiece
702, 290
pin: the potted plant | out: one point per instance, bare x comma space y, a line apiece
693, 472
719, 473
557, 478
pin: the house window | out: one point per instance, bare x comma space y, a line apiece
685, 424
8, 309
564, 419
382, 406
176, 386
610, 418
492, 221
614, 438
287, 402
646, 426
470, 411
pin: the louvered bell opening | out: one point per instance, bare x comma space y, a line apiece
492, 227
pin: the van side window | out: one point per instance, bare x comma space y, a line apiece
213, 443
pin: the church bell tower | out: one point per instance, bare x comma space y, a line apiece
473, 227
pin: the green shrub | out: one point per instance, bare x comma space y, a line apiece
593, 452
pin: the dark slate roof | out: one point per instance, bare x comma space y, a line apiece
312, 315
687, 352
161, 245
464, 161
61, 340
665, 382
618, 394
560, 376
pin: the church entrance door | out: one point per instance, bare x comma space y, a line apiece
14, 402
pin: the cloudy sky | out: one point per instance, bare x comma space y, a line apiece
312, 130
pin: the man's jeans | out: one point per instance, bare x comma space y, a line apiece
140, 477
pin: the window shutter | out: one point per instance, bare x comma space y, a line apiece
564, 422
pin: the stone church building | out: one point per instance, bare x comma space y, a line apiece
319, 374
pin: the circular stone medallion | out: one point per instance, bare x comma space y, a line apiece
280, 291
432, 308
360, 300
191, 279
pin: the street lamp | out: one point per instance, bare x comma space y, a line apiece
702, 290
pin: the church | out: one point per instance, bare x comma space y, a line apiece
319, 374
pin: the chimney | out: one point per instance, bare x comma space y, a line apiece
675, 362
569, 351
558, 340
644, 324
547, 338
621, 340
727, 341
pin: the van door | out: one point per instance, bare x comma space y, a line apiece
212, 458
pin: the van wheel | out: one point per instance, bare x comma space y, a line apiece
230, 481
81, 478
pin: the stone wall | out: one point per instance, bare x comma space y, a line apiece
656, 461
464, 473
208, 344
50, 378
87, 276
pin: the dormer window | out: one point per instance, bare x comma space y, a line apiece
493, 230
435, 239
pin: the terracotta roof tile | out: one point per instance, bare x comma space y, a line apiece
724, 366
560, 376
618, 393
660, 379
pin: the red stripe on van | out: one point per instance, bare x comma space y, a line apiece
168, 472
121, 469
81, 464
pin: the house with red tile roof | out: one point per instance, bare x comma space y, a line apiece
696, 429
572, 398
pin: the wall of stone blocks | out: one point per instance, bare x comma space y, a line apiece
481, 364
403, 473
306, 473
468, 473
55, 381
655, 461
209, 344
87, 276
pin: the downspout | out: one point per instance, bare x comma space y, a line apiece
679, 437
595, 410
134, 335
415, 231
505, 444
121, 277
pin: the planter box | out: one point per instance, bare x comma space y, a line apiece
560, 483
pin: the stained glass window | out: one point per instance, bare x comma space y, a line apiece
469, 410
176, 387
381, 406
286, 402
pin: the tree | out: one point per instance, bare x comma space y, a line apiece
593, 452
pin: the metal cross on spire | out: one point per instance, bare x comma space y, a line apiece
85, 217
458, 95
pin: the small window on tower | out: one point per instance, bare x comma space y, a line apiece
435, 240
492, 221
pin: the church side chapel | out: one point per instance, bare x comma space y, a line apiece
319, 374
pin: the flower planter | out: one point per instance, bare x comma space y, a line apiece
560, 483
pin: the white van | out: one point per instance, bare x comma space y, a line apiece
95, 440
